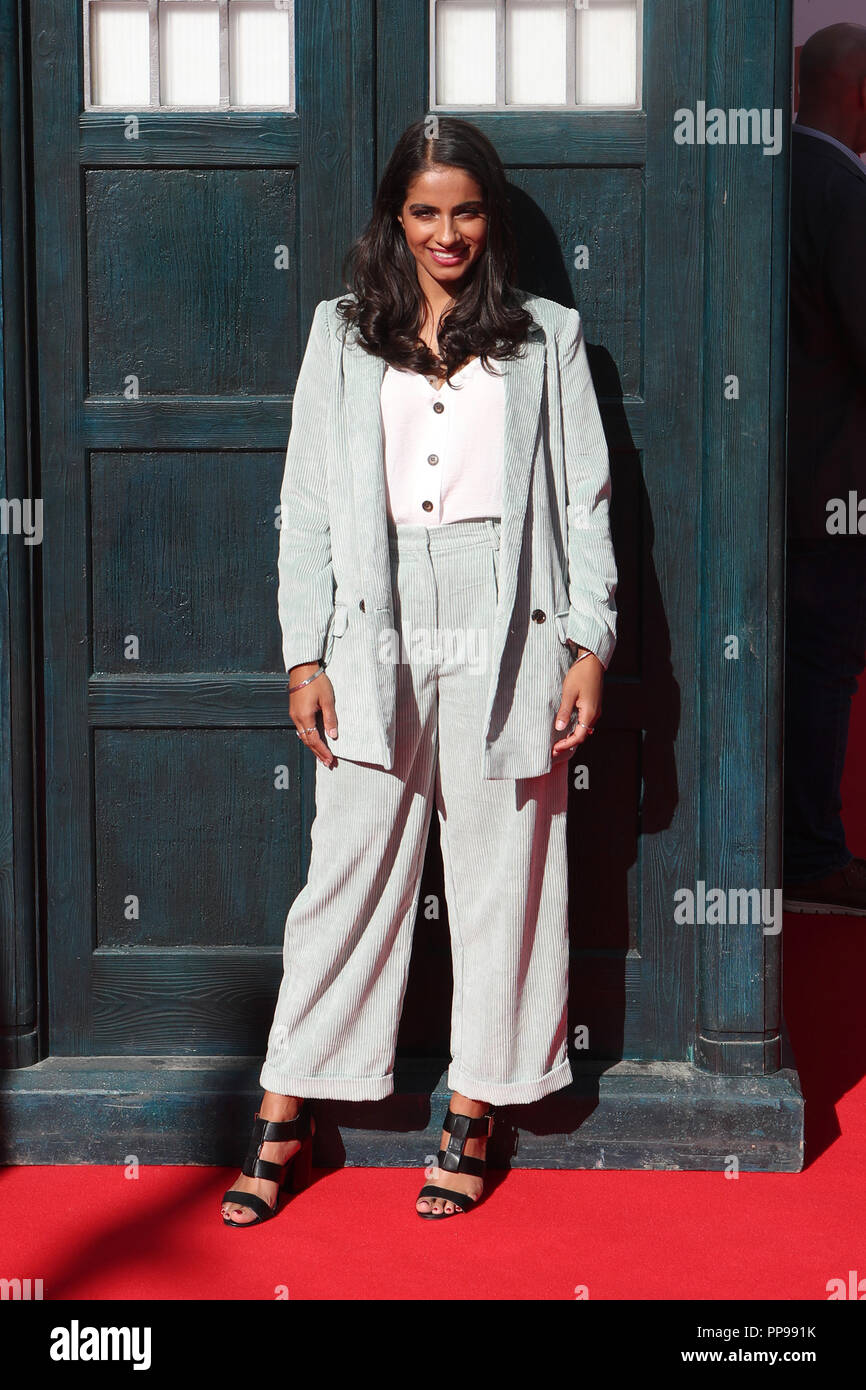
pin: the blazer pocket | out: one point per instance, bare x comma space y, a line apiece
566, 656
336, 628
561, 620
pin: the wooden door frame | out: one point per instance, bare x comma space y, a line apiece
21, 1043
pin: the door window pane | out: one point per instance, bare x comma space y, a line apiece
535, 52
119, 53
189, 53
607, 54
466, 52
260, 52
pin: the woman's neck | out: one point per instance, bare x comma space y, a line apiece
429, 332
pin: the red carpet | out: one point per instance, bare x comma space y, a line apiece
90, 1233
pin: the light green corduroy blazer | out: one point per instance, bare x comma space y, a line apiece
556, 557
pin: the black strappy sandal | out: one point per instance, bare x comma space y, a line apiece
299, 1165
452, 1160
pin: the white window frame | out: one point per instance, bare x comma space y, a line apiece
500, 104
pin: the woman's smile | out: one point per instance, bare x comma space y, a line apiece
447, 203
449, 257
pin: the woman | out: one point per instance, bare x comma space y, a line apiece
445, 551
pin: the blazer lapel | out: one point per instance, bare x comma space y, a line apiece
523, 380
363, 375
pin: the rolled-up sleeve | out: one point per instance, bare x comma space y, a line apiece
592, 573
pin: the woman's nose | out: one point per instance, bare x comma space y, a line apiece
448, 234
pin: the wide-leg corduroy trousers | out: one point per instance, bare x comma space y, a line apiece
348, 933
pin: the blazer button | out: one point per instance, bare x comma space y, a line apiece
438, 407
538, 615
361, 606
428, 506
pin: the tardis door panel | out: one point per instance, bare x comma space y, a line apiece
610, 217
600, 225
180, 253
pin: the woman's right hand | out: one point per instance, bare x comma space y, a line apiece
304, 706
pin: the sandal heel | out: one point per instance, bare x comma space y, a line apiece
300, 1170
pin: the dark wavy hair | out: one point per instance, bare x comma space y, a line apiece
387, 304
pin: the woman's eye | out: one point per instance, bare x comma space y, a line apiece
472, 213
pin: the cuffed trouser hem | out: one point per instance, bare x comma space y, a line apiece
283, 1083
510, 1092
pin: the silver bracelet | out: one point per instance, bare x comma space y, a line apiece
301, 684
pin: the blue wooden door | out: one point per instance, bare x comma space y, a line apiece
587, 190
180, 253
610, 218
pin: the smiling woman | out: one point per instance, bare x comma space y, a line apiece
434, 271
445, 433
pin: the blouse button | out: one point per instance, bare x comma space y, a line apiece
438, 407
538, 615
432, 458
428, 506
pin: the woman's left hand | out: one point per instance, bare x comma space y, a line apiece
581, 689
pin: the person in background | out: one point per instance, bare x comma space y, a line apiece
826, 502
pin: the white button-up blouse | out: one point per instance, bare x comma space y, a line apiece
444, 447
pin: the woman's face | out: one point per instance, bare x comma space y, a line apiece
445, 221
